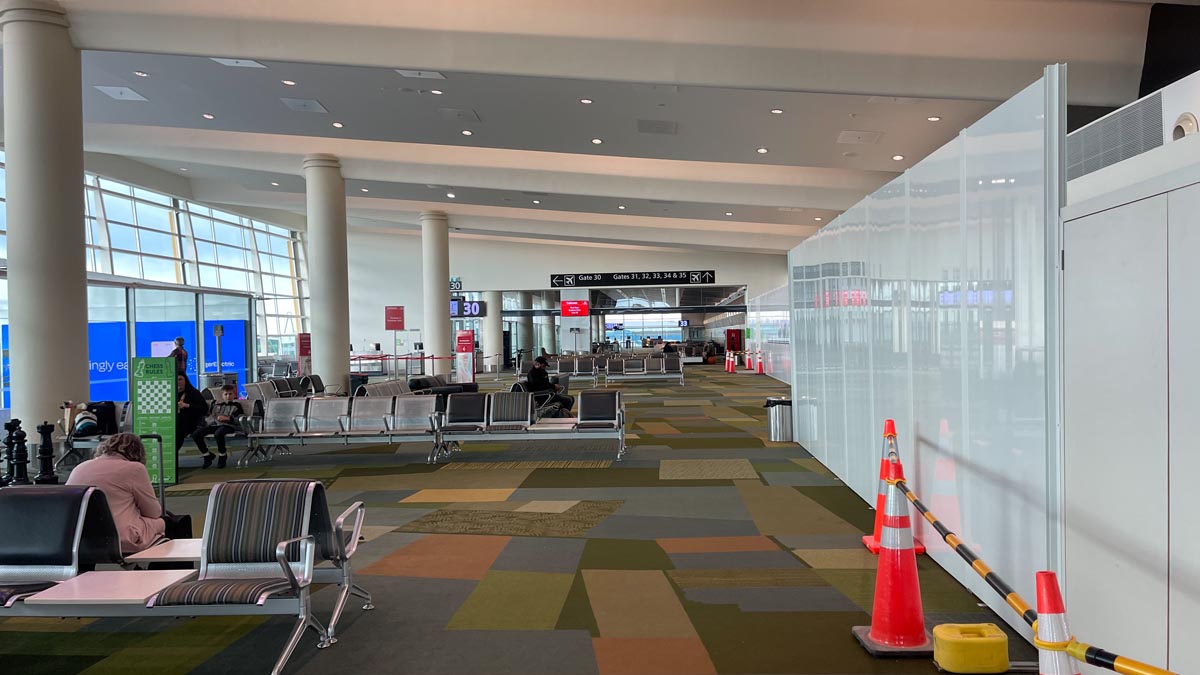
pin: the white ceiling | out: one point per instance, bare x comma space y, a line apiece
712, 67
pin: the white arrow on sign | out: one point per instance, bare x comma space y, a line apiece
708, 276
555, 281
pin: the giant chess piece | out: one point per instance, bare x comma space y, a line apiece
45, 456
20, 474
11, 427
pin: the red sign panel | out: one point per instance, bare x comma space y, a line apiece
464, 342
304, 344
393, 318
575, 308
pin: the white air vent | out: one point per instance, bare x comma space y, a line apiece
536, 194
422, 74
1116, 137
895, 100
239, 63
661, 201
859, 137
309, 105
658, 88
657, 127
458, 115
121, 93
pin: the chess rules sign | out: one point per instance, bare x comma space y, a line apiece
152, 382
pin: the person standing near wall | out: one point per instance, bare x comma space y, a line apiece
180, 355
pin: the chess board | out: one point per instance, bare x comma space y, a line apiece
155, 397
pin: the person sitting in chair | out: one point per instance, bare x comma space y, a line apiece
221, 422
539, 381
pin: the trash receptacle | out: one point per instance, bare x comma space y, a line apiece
779, 418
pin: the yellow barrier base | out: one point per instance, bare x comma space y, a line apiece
970, 648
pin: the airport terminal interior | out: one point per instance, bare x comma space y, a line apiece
552, 337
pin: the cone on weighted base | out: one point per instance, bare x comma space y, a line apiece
871, 541
1052, 628
897, 618
45, 456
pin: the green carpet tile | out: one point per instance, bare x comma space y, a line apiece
736, 556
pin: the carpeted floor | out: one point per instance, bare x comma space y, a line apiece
709, 549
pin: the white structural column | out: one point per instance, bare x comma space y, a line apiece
47, 265
493, 331
435, 286
328, 276
525, 301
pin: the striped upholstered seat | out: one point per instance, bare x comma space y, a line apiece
246, 521
510, 411
224, 592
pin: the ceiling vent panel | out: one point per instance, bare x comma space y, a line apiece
121, 93
1128, 132
859, 137
657, 127
536, 194
308, 105
421, 74
458, 115
239, 63
894, 100
658, 88
661, 201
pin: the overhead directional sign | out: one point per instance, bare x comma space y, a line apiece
634, 279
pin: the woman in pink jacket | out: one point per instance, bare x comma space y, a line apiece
119, 471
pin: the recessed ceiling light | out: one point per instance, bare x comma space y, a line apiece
897, 157
468, 132
621, 206
364, 189
934, 118
761, 151
436, 92
537, 201
338, 125
141, 73
208, 116
818, 219
597, 141
776, 111
183, 168
585, 101
451, 195
274, 184
288, 83
729, 213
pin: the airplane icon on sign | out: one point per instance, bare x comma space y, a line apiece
694, 277
569, 280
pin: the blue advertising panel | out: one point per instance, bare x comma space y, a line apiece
154, 338
108, 361
233, 348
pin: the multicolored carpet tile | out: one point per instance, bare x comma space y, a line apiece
708, 550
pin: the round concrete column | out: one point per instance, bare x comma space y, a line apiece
328, 276
47, 264
493, 330
525, 301
435, 286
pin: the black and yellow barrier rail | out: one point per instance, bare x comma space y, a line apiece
1079, 651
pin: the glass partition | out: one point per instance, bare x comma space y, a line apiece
232, 314
108, 343
162, 316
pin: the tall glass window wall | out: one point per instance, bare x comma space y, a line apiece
643, 327
145, 235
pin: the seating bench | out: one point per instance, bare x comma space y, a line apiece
509, 416
650, 368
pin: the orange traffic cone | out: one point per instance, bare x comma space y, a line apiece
729, 362
759, 369
897, 617
1052, 627
750, 361
871, 541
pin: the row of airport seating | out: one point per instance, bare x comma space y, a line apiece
394, 420
616, 369
281, 387
242, 572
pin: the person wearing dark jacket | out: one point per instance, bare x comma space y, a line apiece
190, 410
222, 421
539, 381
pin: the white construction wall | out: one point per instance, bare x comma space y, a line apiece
926, 303
1131, 367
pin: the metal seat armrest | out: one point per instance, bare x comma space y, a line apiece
359, 511
249, 424
343, 423
307, 555
334, 390
296, 423
435, 422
